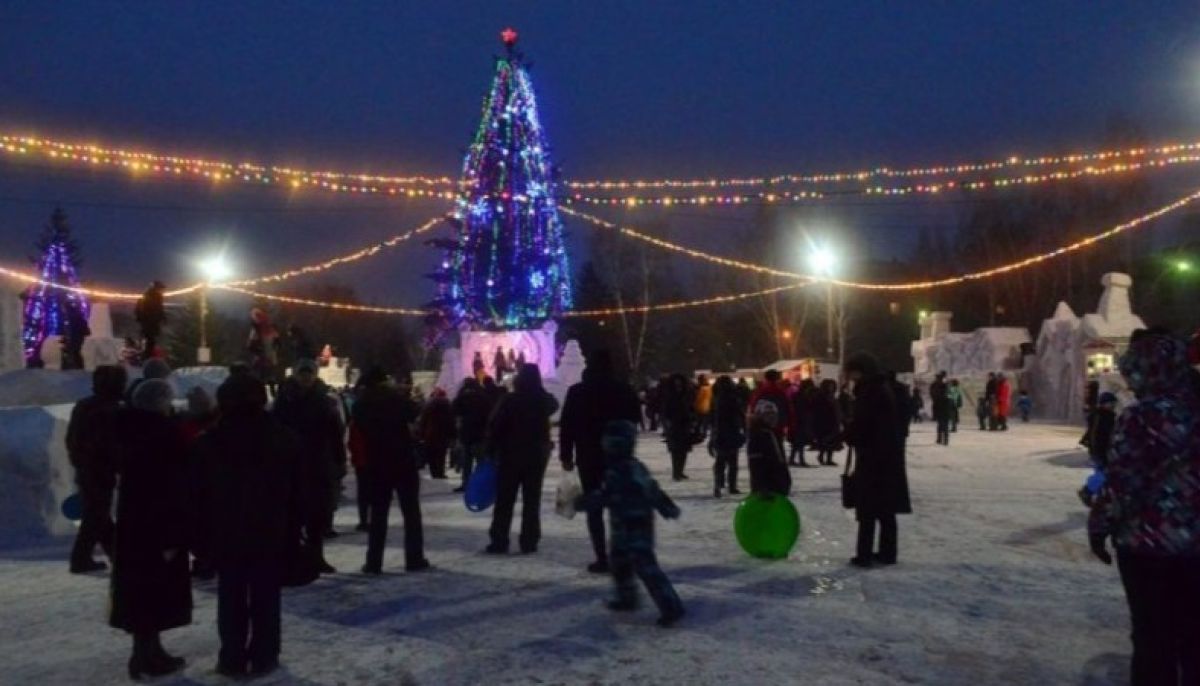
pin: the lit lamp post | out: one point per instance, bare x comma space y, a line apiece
214, 269
823, 262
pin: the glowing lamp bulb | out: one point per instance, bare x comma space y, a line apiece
215, 268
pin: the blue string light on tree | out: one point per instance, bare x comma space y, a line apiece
53, 311
507, 266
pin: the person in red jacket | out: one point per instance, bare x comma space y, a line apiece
1003, 401
772, 389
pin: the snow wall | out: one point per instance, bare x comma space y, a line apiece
35, 475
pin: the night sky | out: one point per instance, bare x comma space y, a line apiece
629, 89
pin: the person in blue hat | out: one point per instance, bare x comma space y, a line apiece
632, 497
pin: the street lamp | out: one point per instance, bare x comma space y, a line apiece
214, 269
1183, 266
823, 262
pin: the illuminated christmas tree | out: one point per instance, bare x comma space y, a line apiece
51, 311
507, 266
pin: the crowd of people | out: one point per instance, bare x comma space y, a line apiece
245, 490
778, 421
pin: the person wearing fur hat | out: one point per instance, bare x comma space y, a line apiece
632, 497
151, 585
879, 477
1149, 508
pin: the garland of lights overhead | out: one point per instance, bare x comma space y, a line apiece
908, 286
1111, 162
363, 253
27, 278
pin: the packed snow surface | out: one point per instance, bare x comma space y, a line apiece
995, 586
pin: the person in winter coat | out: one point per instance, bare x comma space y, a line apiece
262, 346
201, 416
1024, 405
1003, 402
1091, 392
983, 412
632, 497
1104, 422
151, 585
436, 429
591, 404
826, 422
72, 341
250, 503
773, 390
679, 423
728, 435
917, 405
704, 399
800, 432
518, 436
939, 398
472, 409
92, 450
151, 314
954, 392
653, 405
305, 406
764, 452
152, 369
1149, 508
299, 346
384, 415
880, 479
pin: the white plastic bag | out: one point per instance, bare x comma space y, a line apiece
564, 498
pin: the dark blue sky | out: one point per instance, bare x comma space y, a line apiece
626, 88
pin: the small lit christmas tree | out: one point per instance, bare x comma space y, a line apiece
507, 266
48, 310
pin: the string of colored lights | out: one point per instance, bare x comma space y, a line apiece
442, 187
1013, 162
675, 247
916, 285
594, 313
344, 259
784, 197
683, 304
217, 170
806, 279
103, 294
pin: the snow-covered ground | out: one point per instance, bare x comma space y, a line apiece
995, 586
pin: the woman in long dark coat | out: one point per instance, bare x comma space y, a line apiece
880, 480
518, 436
679, 423
151, 587
826, 422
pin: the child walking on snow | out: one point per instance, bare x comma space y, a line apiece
632, 497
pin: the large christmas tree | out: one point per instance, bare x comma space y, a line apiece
507, 266
51, 311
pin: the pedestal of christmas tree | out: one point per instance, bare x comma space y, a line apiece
504, 276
